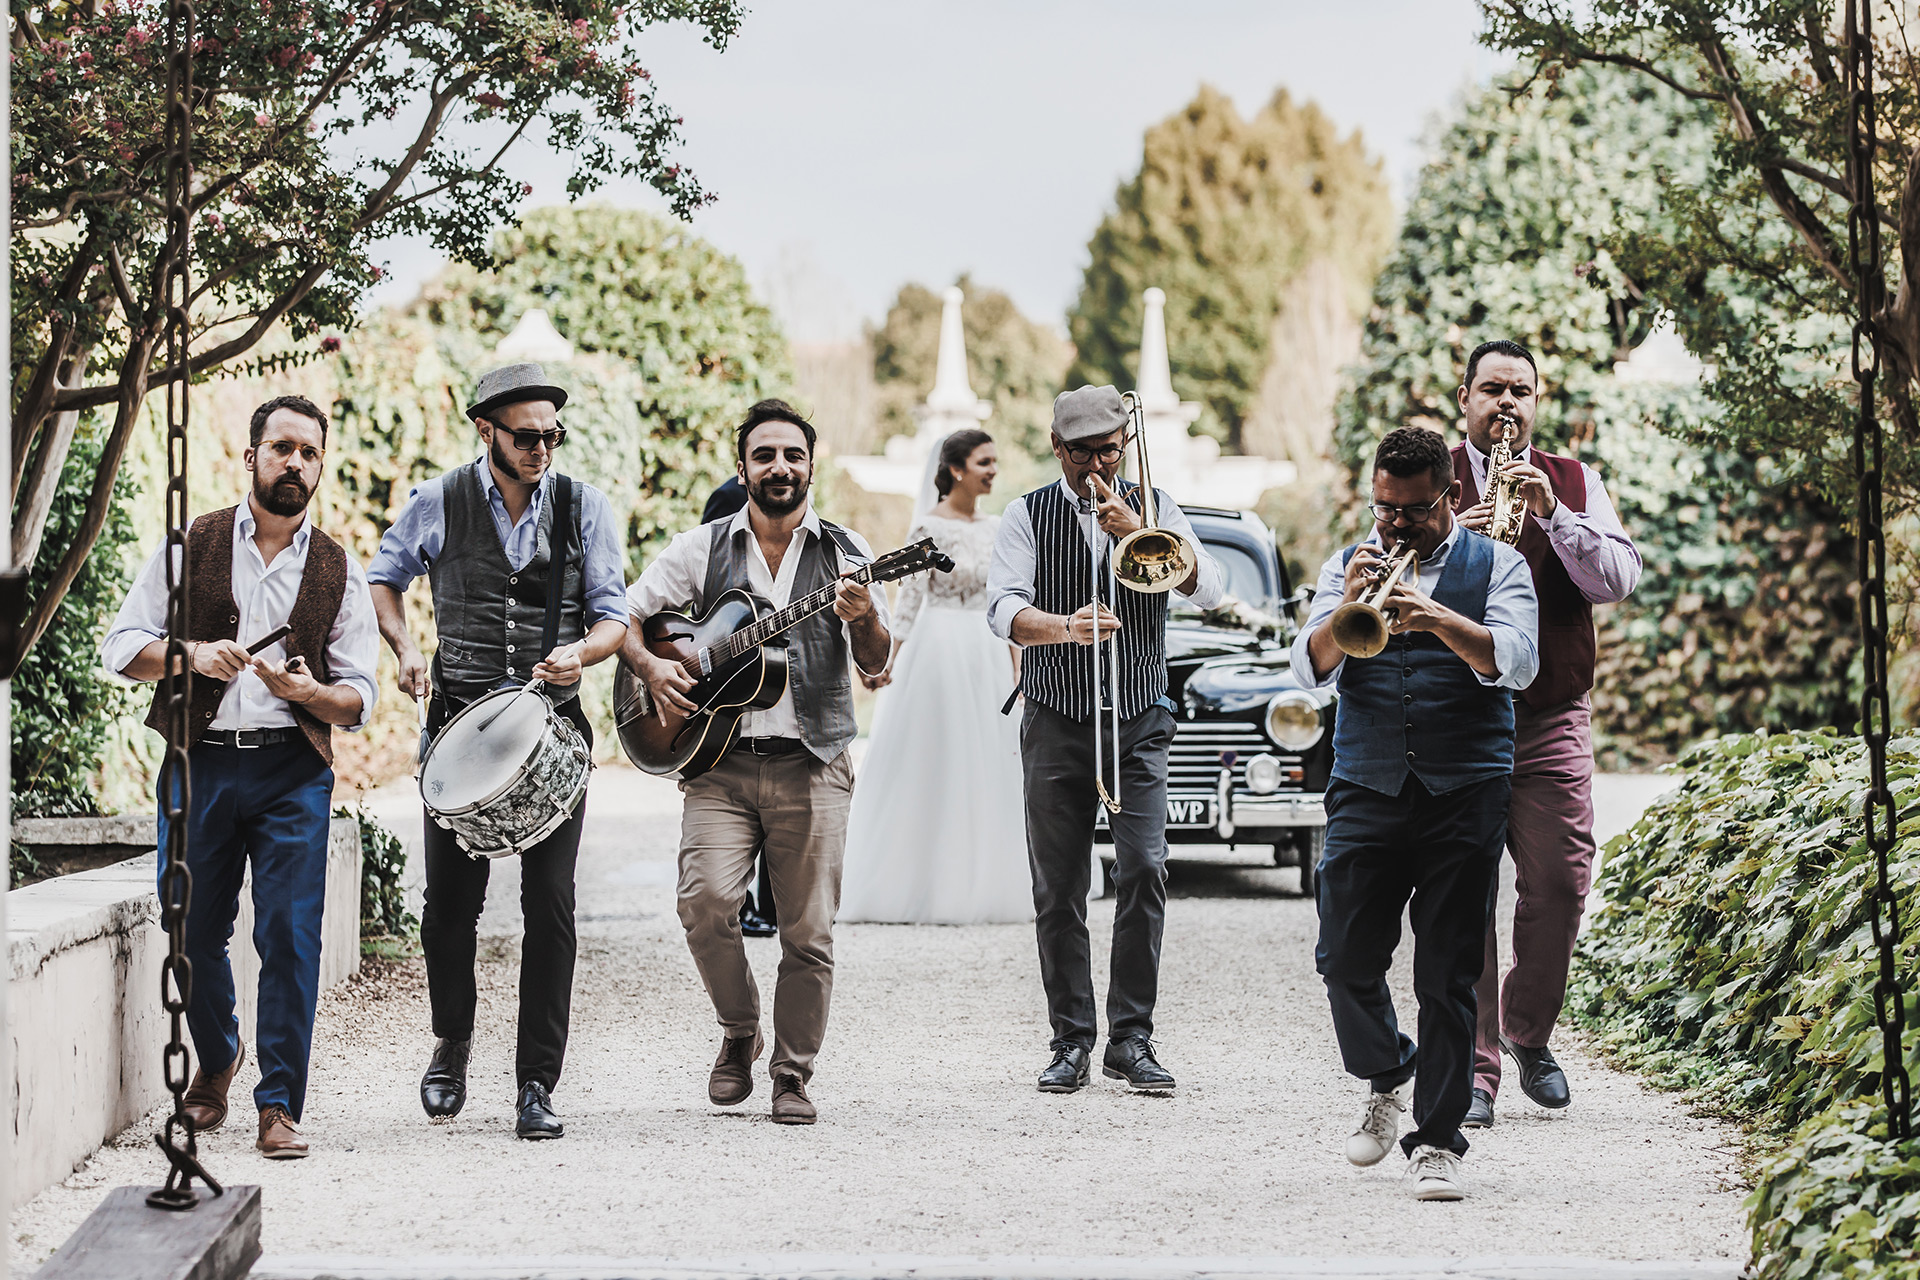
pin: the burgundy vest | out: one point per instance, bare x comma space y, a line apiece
1566, 616
213, 615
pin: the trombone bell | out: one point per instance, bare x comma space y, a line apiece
1152, 560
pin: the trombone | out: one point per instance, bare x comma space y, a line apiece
1102, 703
1360, 627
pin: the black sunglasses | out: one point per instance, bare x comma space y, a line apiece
525, 441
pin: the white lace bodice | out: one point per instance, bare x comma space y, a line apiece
970, 543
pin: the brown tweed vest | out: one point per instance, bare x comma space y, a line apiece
213, 615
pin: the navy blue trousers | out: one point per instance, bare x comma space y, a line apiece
264, 806
1441, 854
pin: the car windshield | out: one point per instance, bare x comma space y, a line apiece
1245, 582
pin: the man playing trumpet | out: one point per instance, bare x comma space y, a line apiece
1417, 805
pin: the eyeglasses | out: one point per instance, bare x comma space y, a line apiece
1083, 454
1388, 512
284, 449
526, 441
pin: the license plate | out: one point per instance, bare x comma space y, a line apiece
1190, 811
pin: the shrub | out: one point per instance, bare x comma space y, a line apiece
383, 860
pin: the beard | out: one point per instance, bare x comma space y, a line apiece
286, 496
787, 497
508, 466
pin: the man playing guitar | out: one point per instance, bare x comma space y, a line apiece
788, 782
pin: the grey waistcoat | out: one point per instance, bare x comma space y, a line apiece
488, 615
818, 671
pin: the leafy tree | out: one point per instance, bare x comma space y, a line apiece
1743, 617
1222, 215
1753, 259
1015, 363
300, 167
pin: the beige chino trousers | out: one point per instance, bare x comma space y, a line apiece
797, 807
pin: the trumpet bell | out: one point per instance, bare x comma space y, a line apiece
1359, 629
1153, 560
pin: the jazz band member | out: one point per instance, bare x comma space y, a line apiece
785, 787
484, 536
1579, 556
1417, 805
1041, 591
262, 761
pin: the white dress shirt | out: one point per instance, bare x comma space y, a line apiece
1592, 545
1010, 580
1512, 615
265, 594
678, 575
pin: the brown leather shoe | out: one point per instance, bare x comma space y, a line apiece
732, 1080
206, 1099
279, 1140
791, 1105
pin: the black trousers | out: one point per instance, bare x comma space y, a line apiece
1443, 853
449, 929
1056, 756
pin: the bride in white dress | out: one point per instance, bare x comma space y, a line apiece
937, 832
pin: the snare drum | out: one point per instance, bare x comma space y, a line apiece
504, 788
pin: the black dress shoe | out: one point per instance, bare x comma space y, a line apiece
1132, 1060
536, 1114
1541, 1078
1069, 1071
1480, 1114
755, 925
443, 1090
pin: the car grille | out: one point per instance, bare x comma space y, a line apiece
1193, 762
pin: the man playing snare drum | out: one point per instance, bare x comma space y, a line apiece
484, 536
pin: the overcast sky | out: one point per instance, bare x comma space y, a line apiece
856, 145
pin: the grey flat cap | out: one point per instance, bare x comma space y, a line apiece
1086, 412
512, 384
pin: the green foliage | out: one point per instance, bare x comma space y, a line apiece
63, 705
1732, 954
383, 861
1223, 213
1015, 363
1744, 615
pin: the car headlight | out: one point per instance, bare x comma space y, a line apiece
1293, 719
1263, 774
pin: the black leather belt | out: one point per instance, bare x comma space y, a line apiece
251, 737
772, 746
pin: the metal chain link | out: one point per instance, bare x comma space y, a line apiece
1876, 718
177, 1140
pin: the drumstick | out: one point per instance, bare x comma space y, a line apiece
507, 702
272, 637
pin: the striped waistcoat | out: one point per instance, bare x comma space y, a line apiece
1060, 676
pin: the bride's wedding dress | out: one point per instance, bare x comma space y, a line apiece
937, 831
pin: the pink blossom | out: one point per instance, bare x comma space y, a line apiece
214, 220
491, 99
84, 58
262, 119
137, 36
526, 188
379, 273
581, 30
330, 343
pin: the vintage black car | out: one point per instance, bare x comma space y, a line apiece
1252, 747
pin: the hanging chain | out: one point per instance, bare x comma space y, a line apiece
176, 882
1863, 244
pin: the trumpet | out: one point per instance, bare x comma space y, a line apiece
1508, 516
1150, 560
1360, 627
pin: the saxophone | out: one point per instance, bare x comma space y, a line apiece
1508, 514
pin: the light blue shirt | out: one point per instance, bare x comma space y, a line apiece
419, 535
1010, 577
1512, 616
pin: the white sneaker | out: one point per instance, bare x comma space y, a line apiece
1379, 1126
1436, 1174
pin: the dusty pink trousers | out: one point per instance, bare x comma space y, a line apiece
1550, 837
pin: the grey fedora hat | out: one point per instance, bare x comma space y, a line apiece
1086, 412
511, 384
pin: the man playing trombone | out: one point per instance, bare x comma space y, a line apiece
1427, 628
1097, 722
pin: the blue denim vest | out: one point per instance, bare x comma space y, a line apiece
1418, 707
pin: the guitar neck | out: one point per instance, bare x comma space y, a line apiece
758, 632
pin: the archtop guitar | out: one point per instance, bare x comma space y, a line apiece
736, 653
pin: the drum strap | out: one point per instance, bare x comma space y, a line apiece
561, 537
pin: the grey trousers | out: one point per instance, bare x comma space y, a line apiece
1056, 756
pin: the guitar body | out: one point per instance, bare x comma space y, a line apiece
691, 745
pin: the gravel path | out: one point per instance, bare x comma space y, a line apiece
933, 1142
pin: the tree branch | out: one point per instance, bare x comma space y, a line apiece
429, 130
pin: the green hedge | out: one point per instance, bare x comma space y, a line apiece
1733, 956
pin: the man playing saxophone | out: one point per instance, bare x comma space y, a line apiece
1417, 805
1579, 555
